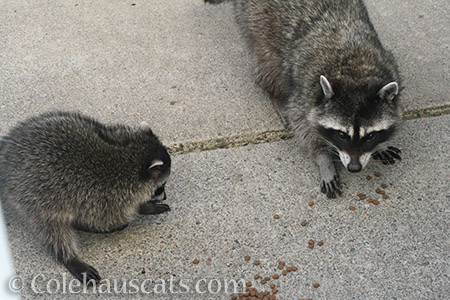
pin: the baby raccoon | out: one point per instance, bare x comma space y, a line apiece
65, 171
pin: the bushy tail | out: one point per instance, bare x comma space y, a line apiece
216, 1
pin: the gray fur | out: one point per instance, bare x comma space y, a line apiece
321, 60
64, 170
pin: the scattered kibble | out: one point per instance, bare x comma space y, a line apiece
272, 286
284, 272
281, 265
257, 263
311, 203
320, 243
276, 217
370, 200
248, 284
311, 244
351, 207
256, 277
316, 285
368, 177
196, 262
376, 202
304, 223
276, 276
384, 185
385, 196
247, 258
377, 174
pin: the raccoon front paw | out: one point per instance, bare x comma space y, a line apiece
331, 188
83, 272
388, 156
151, 208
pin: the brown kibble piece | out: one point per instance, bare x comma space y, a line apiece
378, 191
284, 272
316, 285
276, 276
249, 284
247, 258
382, 192
276, 217
257, 263
320, 243
263, 281
370, 200
377, 174
274, 291
311, 203
294, 268
311, 244
281, 265
196, 261
351, 207
384, 185
267, 279
234, 297
256, 277
385, 196
304, 223
272, 286
361, 196
376, 202
368, 177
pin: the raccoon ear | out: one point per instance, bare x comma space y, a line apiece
389, 91
326, 87
155, 163
144, 126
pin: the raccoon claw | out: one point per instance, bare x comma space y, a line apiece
331, 188
83, 272
388, 156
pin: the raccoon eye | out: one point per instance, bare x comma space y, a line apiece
342, 135
370, 137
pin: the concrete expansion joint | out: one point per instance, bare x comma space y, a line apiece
270, 136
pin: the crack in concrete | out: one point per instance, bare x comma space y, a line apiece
270, 136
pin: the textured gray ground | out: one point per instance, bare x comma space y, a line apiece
184, 68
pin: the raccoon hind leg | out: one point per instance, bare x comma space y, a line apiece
59, 235
330, 183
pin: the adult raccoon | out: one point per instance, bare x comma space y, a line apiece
329, 76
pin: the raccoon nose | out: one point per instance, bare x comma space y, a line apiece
354, 167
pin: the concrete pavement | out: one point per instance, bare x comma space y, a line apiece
184, 68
